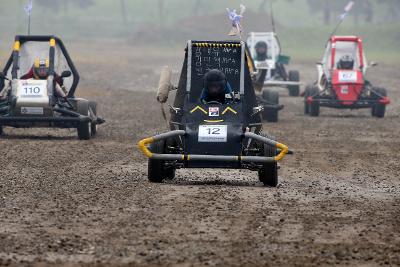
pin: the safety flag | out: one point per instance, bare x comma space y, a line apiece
347, 9
235, 19
28, 7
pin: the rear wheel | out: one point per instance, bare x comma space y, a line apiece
1, 130
156, 168
93, 126
379, 109
294, 76
314, 105
373, 111
84, 128
268, 174
272, 97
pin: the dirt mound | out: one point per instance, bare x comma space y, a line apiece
212, 27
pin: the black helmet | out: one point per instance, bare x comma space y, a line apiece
215, 83
261, 50
346, 63
41, 69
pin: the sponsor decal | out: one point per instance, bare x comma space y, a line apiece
32, 111
213, 111
344, 89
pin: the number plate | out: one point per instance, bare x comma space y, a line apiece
213, 133
347, 76
32, 88
267, 64
262, 64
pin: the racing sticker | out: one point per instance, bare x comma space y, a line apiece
213, 111
344, 89
32, 88
213, 133
32, 110
347, 76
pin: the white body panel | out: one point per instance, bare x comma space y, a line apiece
274, 49
32, 98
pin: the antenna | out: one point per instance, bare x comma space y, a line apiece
272, 17
29, 24
347, 9
28, 10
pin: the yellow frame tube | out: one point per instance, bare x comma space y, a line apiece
17, 46
143, 146
284, 151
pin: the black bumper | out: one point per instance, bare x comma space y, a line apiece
16, 119
340, 104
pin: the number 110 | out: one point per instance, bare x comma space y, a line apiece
32, 90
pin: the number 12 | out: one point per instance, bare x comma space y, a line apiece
213, 131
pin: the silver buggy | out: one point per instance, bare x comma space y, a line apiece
29, 99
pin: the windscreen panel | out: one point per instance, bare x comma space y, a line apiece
350, 49
273, 49
226, 57
32, 50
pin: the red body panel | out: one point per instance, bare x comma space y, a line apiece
348, 85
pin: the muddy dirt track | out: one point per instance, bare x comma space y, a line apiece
65, 202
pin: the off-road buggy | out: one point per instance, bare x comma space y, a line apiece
341, 80
26, 103
268, 99
265, 49
213, 135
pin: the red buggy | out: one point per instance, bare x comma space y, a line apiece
341, 80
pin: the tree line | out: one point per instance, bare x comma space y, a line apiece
328, 9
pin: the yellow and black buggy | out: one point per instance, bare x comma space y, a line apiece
213, 135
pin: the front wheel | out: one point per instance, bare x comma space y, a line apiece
306, 104
294, 76
1, 130
379, 109
156, 168
272, 97
268, 174
93, 126
170, 173
314, 105
84, 128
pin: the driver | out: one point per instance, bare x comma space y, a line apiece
216, 87
261, 51
40, 70
346, 63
